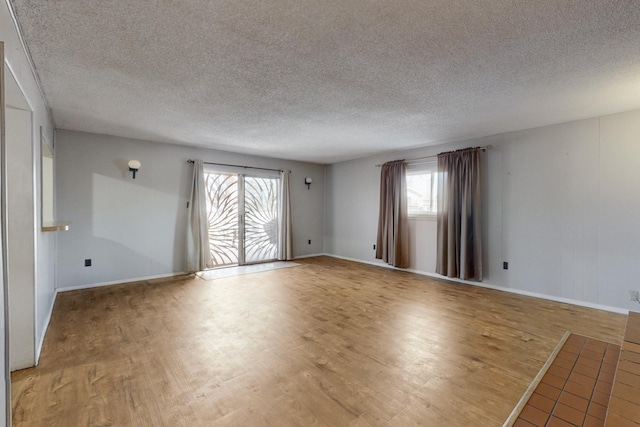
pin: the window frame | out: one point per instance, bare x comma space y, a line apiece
423, 168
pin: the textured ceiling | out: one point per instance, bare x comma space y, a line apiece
330, 80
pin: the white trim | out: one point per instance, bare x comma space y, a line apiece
32, 66
35, 150
80, 287
420, 167
424, 217
46, 327
118, 282
494, 287
376, 263
6, 377
537, 380
433, 189
20, 88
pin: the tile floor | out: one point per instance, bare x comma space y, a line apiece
575, 389
624, 406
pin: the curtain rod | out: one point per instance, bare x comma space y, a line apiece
418, 159
237, 166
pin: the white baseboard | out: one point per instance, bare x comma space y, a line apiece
377, 264
494, 287
308, 256
80, 287
118, 282
361, 261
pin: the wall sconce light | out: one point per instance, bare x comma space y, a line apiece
307, 181
134, 165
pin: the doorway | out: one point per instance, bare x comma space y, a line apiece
21, 225
242, 216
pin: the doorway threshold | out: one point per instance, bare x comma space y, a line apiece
221, 273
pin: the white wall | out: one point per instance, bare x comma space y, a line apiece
136, 228
560, 204
18, 64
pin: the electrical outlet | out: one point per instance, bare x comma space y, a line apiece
374, 247
634, 296
505, 265
309, 241
87, 262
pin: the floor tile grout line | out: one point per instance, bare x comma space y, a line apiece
588, 352
524, 400
580, 354
562, 390
620, 397
596, 384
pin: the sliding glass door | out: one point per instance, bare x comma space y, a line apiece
260, 241
223, 217
242, 213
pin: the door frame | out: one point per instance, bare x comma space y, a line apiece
4, 307
242, 173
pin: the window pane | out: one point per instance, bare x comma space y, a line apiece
434, 193
419, 194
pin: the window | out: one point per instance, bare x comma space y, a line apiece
422, 190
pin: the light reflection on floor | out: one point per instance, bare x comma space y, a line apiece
220, 273
418, 352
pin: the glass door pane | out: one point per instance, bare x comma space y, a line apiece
223, 219
260, 219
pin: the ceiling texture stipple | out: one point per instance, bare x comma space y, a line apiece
329, 80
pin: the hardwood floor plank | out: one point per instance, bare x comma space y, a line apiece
328, 343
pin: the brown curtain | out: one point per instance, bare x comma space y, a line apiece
459, 251
393, 224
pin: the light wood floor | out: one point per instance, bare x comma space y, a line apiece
328, 343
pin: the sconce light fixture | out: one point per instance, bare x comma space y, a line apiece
307, 181
134, 165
